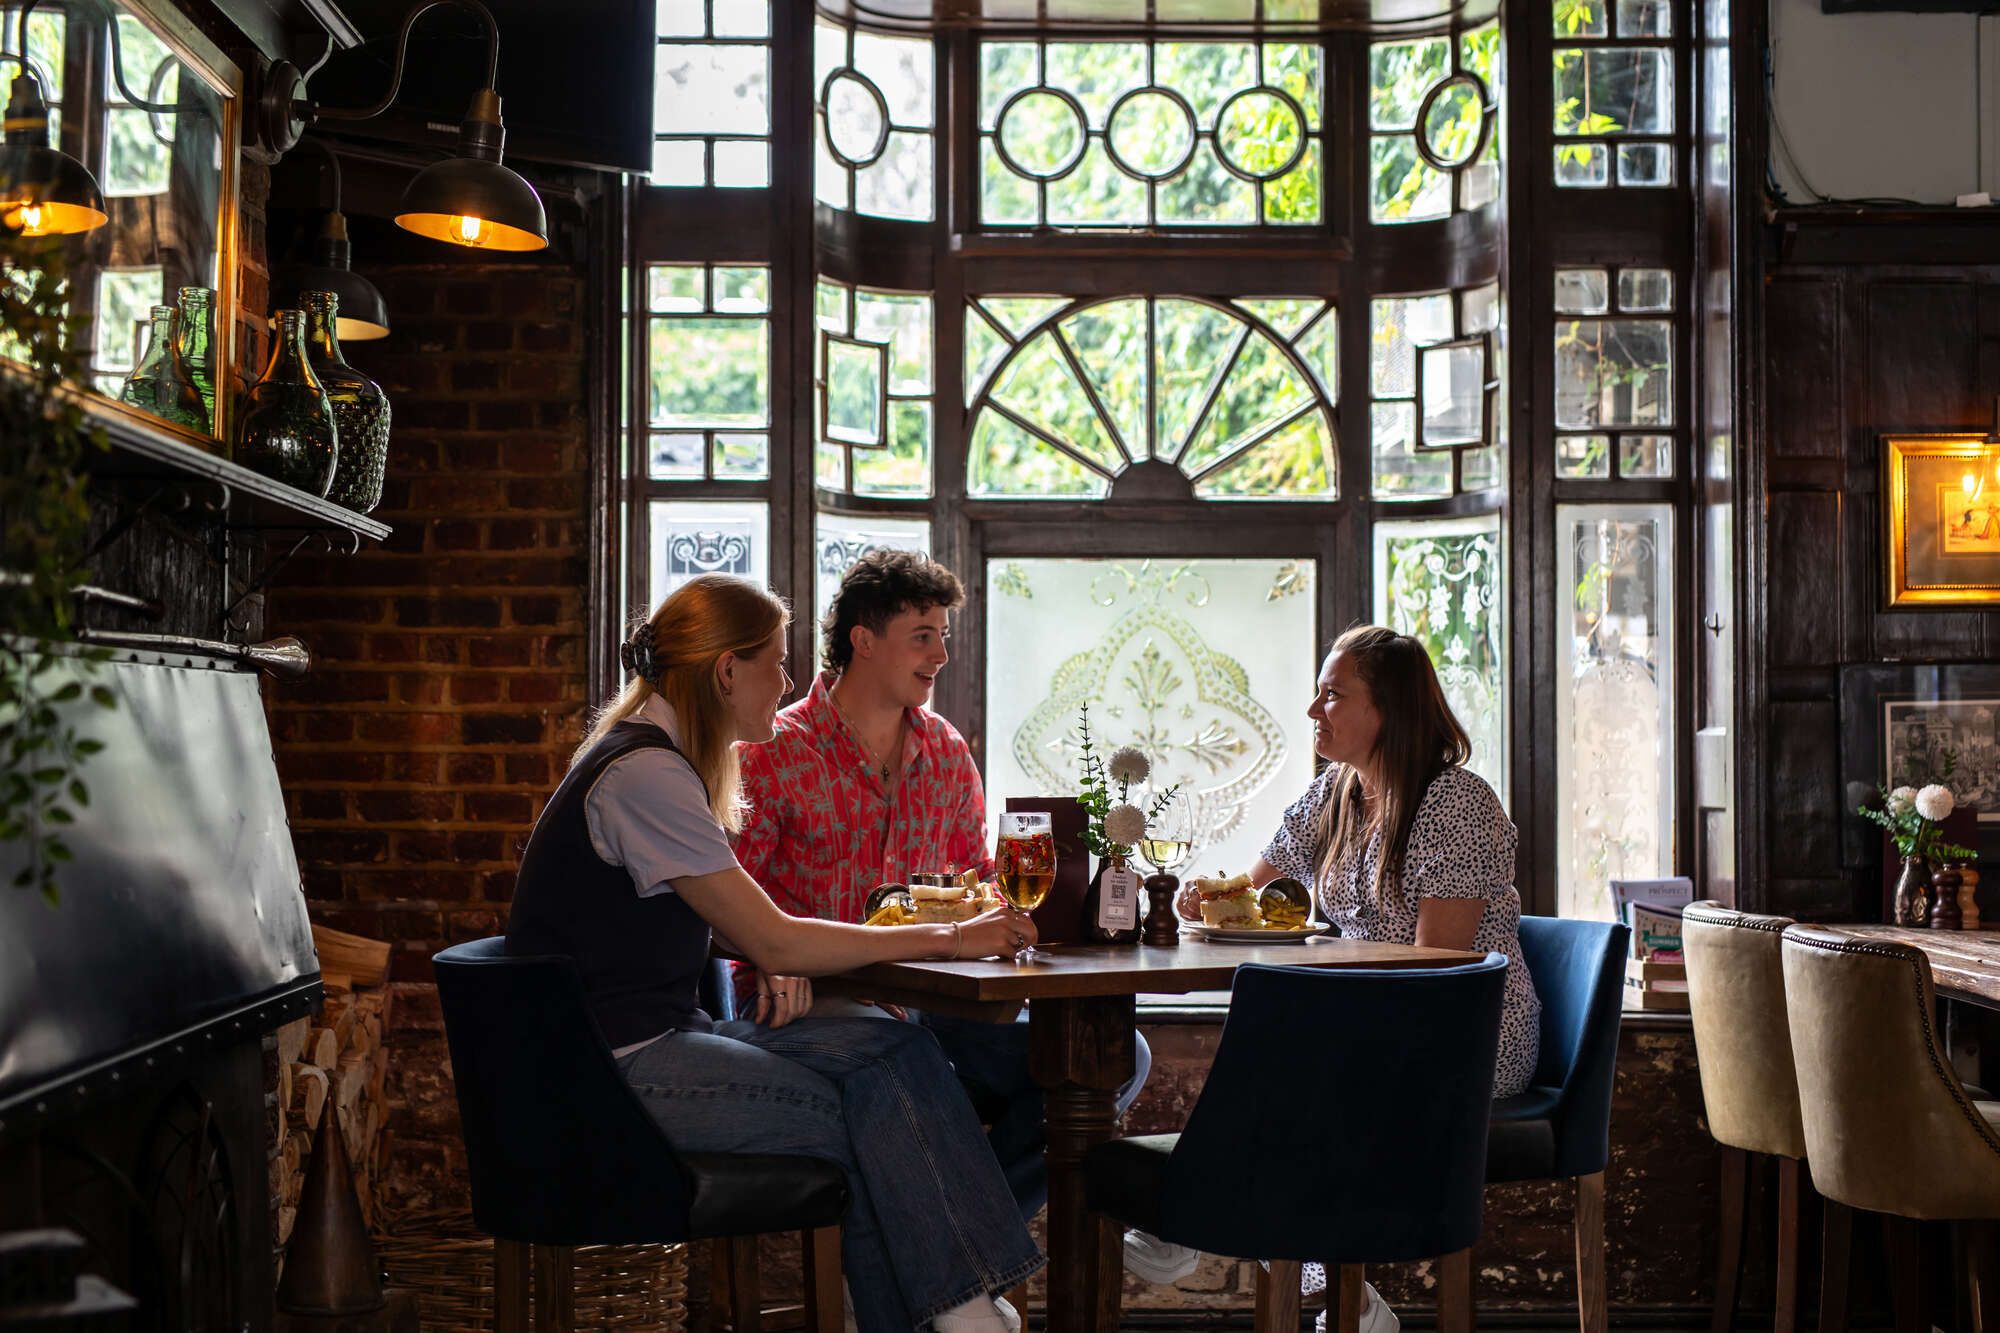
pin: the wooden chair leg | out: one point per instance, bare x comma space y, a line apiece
1786, 1317
510, 1285
821, 1248
745, 1314
1278, 1297
1982, 1277
1591, 1296
555, 1289
1906, 1287
1836, 1240
1454, 1278
1344, 1314
1729, 1237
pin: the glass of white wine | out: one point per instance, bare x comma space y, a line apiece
1025, 863
1169, 840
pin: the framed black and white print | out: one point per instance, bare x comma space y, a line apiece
1903, 724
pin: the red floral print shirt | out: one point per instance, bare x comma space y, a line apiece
823, 830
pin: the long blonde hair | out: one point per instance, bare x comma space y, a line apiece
1419, 739
699, 621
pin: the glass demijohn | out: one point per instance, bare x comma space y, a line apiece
360, 408
197, 342
161, 384
287, 430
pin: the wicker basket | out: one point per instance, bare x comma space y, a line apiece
636, 1288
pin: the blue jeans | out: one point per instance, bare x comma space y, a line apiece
878, 1100
992, 1064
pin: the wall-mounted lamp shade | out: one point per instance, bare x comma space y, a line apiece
363, 313
42, 192
474, 202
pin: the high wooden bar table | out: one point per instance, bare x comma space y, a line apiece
1082, 1025
1965, 964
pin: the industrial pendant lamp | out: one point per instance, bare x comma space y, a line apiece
363, 312
43, 192
469, 199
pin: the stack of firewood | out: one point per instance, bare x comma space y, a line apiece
334, 1065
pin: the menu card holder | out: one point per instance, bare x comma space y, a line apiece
1059, 920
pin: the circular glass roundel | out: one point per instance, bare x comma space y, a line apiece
1042, 133
1451, 124
1151, 132
1260, 134
857, 119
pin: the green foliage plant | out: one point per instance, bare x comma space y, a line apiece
1913, 834
44, 519
1094, 795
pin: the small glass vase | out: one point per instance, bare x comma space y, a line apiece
360, 408
196, 339
1913, 890
287, 430
160, 383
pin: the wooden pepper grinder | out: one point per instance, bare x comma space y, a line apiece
1968, 895
1163, 924
1945, 915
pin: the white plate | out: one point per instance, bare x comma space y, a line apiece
1251, 934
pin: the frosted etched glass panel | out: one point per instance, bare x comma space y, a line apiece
1614, 701
1439, 581
839, 540
1206, 665
692, 537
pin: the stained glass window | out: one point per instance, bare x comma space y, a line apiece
841, 539
709, 367
1614, 93
874, 110
872, 381
1614, 701
1433, 117
1140, 134
692, 537
1614, 372
1440, 581
1067, 395
1156, 648
712, 93
1435, 374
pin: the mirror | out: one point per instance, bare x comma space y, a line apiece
142, 100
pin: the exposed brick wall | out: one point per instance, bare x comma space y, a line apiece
448, 688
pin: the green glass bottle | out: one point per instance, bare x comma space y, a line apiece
197, 344
160, 384
360, 408
287, 430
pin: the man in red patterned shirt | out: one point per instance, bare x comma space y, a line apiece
863, 785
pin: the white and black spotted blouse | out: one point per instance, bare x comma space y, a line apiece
1461, 846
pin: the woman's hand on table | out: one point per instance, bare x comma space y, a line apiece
1000, 933
781, 999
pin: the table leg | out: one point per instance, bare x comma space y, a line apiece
1081, 1052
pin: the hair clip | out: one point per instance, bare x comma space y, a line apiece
637, 655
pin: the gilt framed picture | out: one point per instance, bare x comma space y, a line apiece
1941, 520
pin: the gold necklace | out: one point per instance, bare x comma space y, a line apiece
882, 765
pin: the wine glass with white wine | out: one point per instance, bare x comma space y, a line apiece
1169, 840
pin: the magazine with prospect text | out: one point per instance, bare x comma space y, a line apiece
1652, 909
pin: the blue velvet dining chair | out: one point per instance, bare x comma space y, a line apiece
563, 1154
1560, 1127
1344, 1120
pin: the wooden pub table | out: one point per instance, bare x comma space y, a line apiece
1082, 1024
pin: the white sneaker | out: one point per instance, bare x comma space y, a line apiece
1160, 1262
981, 1314
1008, 1313
1376, 1316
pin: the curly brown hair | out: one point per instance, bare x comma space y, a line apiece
879, 586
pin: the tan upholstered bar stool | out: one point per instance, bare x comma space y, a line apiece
1889, 1128
1743, 1044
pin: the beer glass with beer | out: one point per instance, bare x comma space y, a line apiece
1025, 862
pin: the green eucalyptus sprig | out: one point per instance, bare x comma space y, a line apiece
44, 526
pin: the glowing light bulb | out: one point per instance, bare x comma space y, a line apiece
471, 231
1969, 483
28, 217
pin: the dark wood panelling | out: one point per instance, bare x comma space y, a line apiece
1806, 579
1923, 356
1804, 754
1803, 322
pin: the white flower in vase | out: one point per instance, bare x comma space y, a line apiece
1935, 802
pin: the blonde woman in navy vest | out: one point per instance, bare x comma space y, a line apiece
629, 871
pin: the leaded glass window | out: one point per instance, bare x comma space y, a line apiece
1143, 134
709, 371
1440, 582
1614, 701
1614, 93
841, 539
874, 109
125, 301
1433, 112
1435, 374
693, 537
872, 381
138, 154
1614, 372
1157, 649
1067, 395
712, 93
